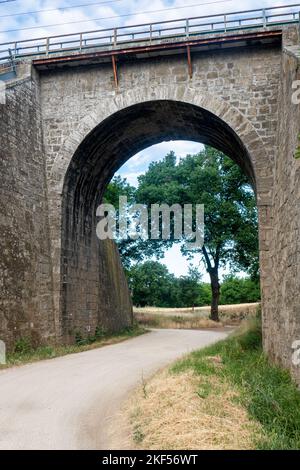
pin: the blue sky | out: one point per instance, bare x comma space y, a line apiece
106, 9
22, 20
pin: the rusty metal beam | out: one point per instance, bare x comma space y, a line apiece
115, 70
276, 34
190, 64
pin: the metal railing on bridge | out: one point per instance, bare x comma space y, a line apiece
151, 33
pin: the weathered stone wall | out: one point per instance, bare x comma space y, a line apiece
26, 289
282, 310
239, 87
27, 273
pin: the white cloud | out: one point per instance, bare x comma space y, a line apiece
139, 163
131, 177
122, 7
178, 264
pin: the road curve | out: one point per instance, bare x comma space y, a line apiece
69, 402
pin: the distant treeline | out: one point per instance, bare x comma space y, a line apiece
153, 285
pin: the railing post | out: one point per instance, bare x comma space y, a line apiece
80, 42
150, 33
264, 18
187, 28
47, 46
115, 36
13, 65
225, 23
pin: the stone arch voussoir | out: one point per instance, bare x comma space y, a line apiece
187, 94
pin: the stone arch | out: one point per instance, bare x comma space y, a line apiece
217, 106
117, 129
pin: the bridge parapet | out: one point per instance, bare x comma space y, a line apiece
151, 34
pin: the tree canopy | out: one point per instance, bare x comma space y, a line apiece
131, 251
209, 178
212, 179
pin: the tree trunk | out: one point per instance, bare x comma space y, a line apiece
215, 290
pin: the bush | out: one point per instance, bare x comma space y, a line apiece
239, 291
23, 345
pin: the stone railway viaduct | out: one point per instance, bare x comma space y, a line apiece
71, 120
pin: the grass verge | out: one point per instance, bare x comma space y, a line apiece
25, 355
227, 396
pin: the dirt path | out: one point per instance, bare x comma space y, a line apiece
70, 402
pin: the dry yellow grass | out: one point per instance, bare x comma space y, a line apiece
188, 412
236, 308
197, 318
177, 322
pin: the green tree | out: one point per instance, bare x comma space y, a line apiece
204, 297
188, 289
212, 179
151, 285
131, 251
236, 290
116, 188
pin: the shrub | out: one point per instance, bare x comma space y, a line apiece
23, 345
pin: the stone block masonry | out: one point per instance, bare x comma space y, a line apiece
26, 299
27, 272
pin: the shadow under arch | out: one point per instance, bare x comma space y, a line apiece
94, 290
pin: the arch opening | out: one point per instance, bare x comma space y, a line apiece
94, 289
